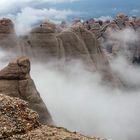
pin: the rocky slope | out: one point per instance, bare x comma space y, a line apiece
18, 122
15, 81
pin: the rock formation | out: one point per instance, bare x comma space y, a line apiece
102, 31
74, 43
18, 122
7, 34
15, 81
47, 43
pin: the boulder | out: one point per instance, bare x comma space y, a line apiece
15, 81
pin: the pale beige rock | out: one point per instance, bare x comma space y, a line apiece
15, 81
8, 37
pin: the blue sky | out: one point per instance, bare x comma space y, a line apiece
89, 8
85, 8
26, 13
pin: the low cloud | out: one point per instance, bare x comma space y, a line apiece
127, 35
135, 11
78, 101
14, 5
30, 16
25, 14
104, 18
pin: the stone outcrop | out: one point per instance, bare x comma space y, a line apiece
18, 122
47, 43
15, 81
75, 43
6, 26
7, 34
102, 30
44, 44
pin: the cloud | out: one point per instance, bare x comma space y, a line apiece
78, 101
104, 18
26, 13
30, 16
135, 12
124, 36
15, 5
120, 64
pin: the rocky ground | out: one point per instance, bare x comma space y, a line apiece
18, 122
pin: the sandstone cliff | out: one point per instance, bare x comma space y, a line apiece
47, 43
15, 81
104, 30
7, 34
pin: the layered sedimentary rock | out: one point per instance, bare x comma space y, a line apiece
74, 43
47, 44
18, 122
104, 31
15, 81
45, 41
92, 45
7, 34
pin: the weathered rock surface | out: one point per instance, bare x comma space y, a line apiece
53, 133
104, 31
47, 43
18, 122
6, 26
74, 43
15, 117
15, 81
7, 34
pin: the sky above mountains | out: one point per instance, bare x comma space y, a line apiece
84, 8
30, 12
